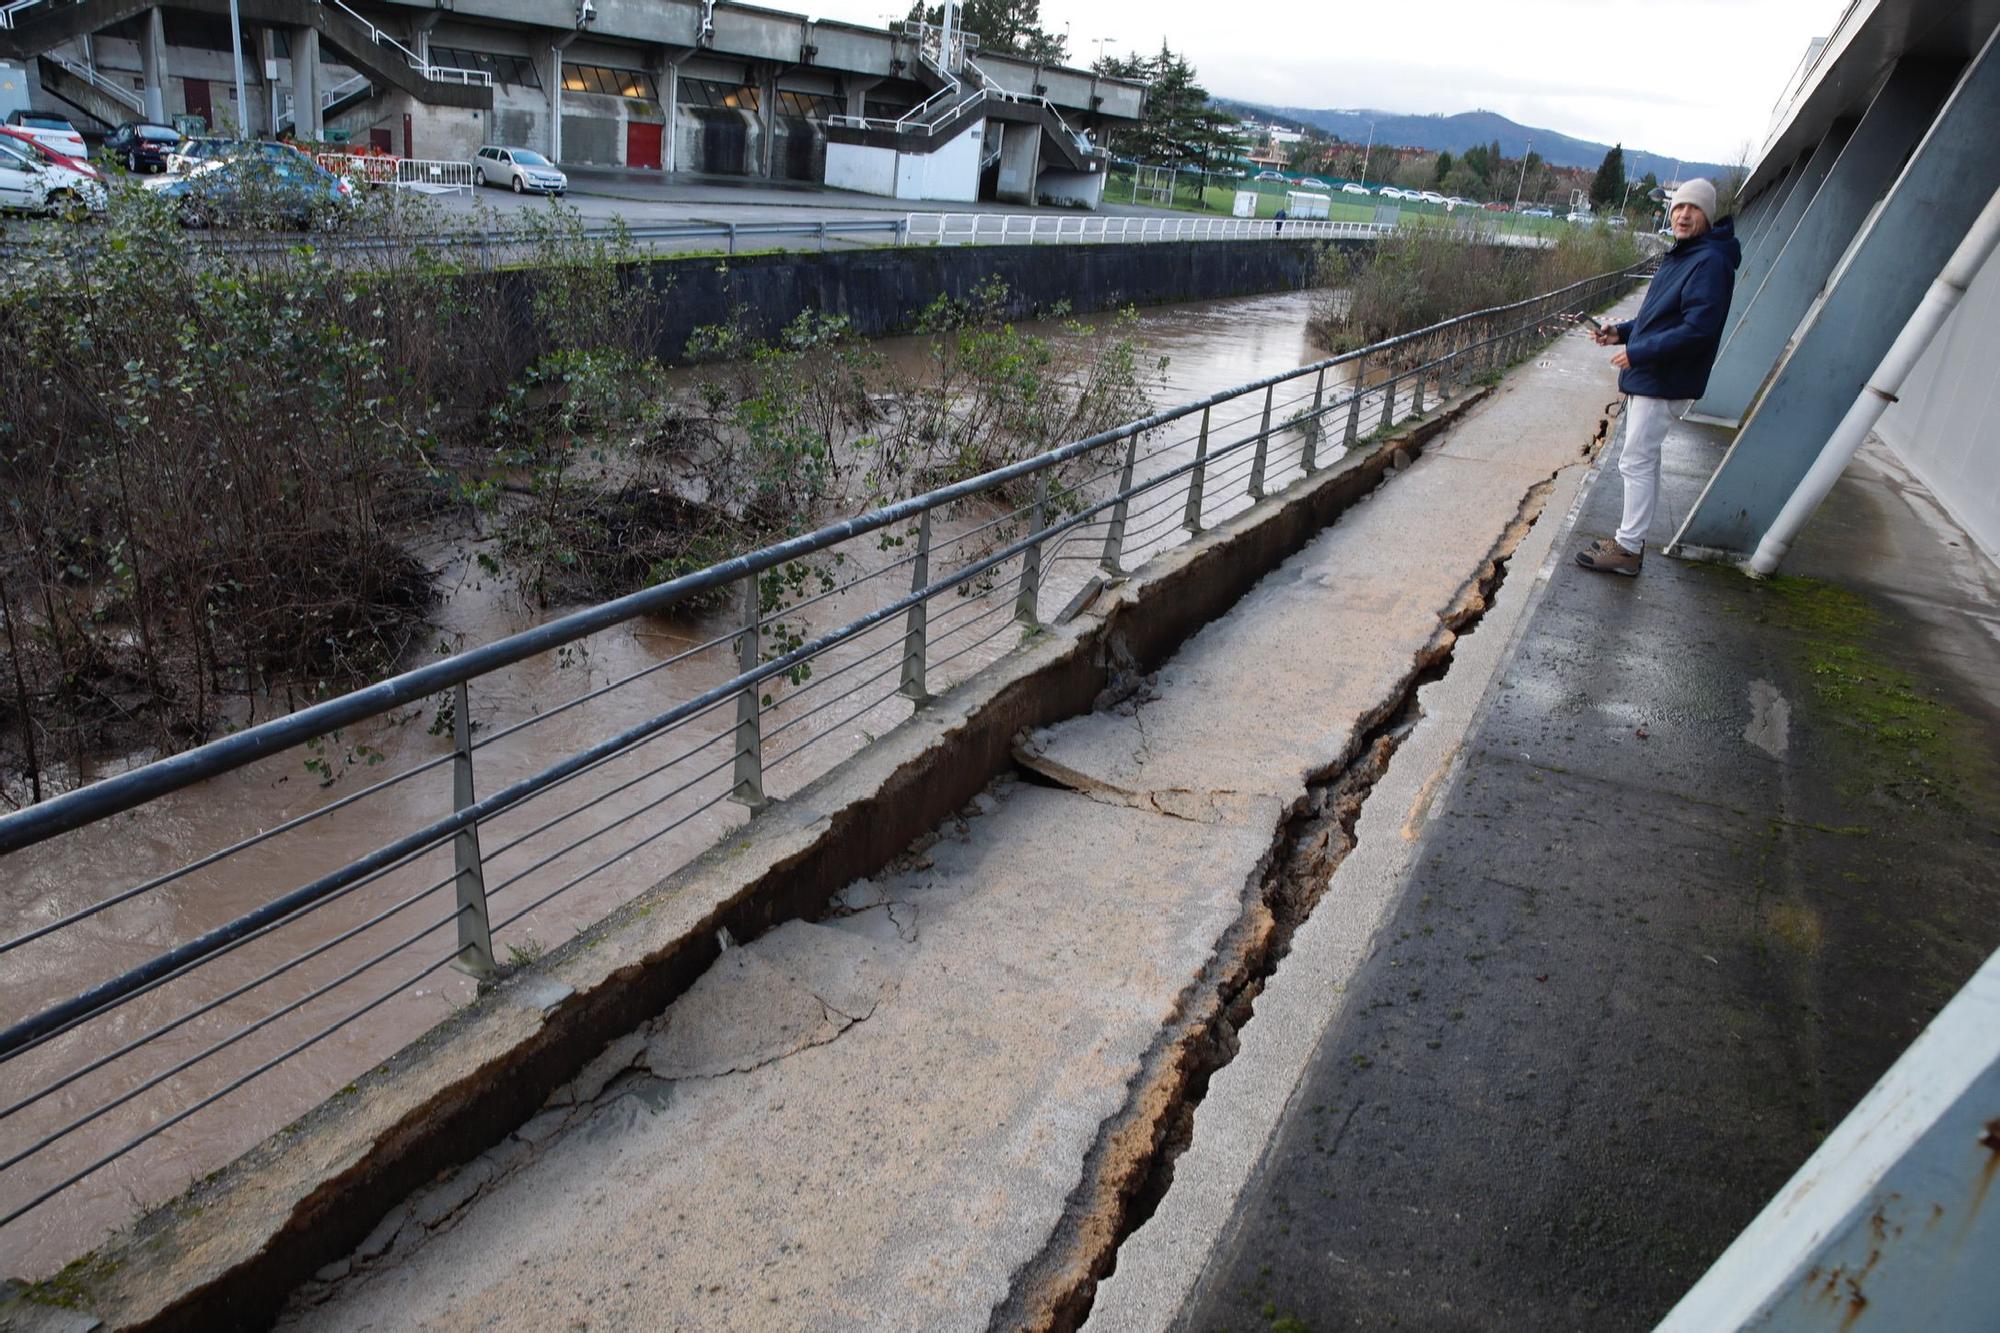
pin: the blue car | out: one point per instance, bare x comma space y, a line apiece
282, 187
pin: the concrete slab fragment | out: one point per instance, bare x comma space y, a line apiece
897, 1177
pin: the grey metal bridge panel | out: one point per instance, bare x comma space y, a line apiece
1925, 216
1783, 217
1769, 304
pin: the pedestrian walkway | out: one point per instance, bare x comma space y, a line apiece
924, 1109
1712, 854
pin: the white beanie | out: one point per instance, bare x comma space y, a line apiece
1697, 192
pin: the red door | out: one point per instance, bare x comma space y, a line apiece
197, 101
642, 143
378, 139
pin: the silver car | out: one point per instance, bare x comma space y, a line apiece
522, 170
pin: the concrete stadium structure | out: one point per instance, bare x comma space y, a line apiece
669, 85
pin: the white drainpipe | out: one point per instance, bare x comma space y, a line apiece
1880, 391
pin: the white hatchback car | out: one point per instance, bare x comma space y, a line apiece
33, 184
522, 170
1352, 188
54, 131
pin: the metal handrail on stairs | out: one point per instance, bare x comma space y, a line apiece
435, 73
327, 97
8, 11
123, 96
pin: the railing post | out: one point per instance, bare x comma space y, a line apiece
475, 938
1309, 459
732, 237
1191, 517
1354, 401
916, 629
1256, 485
1027, 603
822, 236
1389, 402
749, 775
1423, 373
1114, 537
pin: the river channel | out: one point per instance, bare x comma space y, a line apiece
551, 869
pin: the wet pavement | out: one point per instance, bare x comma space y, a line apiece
1713, 853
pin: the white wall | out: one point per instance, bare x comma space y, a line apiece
950, 174
1072, 188
851, 166
1947, 425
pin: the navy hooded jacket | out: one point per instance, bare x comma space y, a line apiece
1672, 344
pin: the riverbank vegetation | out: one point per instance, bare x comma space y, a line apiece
221, 463
1418, 278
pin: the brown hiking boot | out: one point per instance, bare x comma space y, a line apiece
1608, 557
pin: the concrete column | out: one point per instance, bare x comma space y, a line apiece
767, 119
267, 63
1757, 256
1924, 217
670, 101
1770, 303
1020, 161
153, 64
306, 122
552, 81
856, 91
420, 33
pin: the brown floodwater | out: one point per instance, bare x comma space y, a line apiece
551, 867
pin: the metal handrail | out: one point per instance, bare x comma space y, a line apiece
122, 95
435, 73
1269, 427
8, 11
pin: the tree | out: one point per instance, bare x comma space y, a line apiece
1607, 187
1005, 27
1178, 125
1442, 168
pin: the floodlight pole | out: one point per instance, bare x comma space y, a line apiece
1521, 183
1367, 152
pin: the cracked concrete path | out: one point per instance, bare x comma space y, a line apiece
871, 1121
1282, 688
890, 1118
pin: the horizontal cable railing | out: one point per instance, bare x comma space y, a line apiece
582, 771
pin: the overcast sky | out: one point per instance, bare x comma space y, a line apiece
1691, 77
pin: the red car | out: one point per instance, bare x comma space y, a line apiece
45, 153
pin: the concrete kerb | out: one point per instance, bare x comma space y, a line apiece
1161, 1265
229, 1250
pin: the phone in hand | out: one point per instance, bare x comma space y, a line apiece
1591, 320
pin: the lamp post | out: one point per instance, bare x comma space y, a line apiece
1100, 47
236, 46
1521, 183
1367, 152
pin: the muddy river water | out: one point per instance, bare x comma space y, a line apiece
550, 868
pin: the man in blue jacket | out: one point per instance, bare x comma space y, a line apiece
1663, 359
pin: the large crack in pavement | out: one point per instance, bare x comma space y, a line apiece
1132, 1168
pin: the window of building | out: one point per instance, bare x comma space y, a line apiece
610, 82
707, 92
808, 106
502, 68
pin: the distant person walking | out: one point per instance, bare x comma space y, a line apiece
1664, 358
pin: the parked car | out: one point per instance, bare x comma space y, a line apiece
1269, 176
1615, 220
259, 189
1389, 192
1432, 197
52, 130
1314, 181
1352, 188
142, 145
32, 183
194, 151
1576, 217
1538, 212
49, 156
1495, 207
523, 170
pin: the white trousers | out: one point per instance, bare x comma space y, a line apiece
1645, 427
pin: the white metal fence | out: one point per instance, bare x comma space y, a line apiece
1021, 229
419, 173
